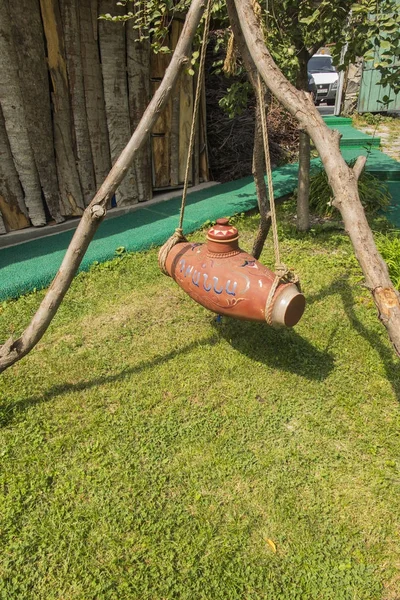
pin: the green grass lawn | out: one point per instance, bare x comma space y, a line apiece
148, 452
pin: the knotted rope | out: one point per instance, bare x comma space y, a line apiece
282, 273
230, 62
178, 236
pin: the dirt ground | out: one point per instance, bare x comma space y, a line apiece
387, 128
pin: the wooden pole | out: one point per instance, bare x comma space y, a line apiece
14, 350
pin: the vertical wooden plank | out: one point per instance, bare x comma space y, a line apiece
12, 103
12, 206
138, 59
113, 64
176, 29
185, 123
68, 177
161, 132
95, 12
159, 63
70, 21
161, 146
196, 149
34, 80
203, 160
174, 138
94, 94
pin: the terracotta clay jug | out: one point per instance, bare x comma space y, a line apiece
228, 281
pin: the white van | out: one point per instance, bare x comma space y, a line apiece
326, 77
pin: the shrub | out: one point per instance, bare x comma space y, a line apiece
374, 194
389, 246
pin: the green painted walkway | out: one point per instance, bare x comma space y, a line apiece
350, 135
32, 265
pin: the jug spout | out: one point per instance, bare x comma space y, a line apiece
288, 306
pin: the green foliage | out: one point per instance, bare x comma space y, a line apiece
236, 98
374, 32
366, 28
369, 28
389, 246
292, 29
371, 119
374, 194
152, 19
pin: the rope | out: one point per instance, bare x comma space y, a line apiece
269, 173
257, 9
178, 236
230, 63
282, 273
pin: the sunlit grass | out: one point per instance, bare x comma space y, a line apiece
148, 452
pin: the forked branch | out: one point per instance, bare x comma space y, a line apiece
342, 178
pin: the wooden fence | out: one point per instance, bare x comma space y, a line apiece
72, 90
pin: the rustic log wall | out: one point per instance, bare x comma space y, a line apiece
73, 90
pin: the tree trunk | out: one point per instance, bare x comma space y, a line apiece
303, 186
113, 64
68, 178
12, 206
138, 58
14, 350
94, 93
342, 179
258, 150
12, 105
34, 82
70, 20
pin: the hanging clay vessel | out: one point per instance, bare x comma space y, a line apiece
228, 281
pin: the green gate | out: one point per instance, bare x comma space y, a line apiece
371, 92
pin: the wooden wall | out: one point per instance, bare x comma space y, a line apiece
73, 88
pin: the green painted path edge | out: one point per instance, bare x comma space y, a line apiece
32, 265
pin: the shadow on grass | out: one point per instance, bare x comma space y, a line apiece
11, 411
281, 349
284, 350
391, 363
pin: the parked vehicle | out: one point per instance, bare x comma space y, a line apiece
321, 67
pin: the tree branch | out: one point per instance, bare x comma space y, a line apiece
14, 350
315, 48
359, 166
258, 149
341, 177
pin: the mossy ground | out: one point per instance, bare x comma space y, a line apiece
148, 452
